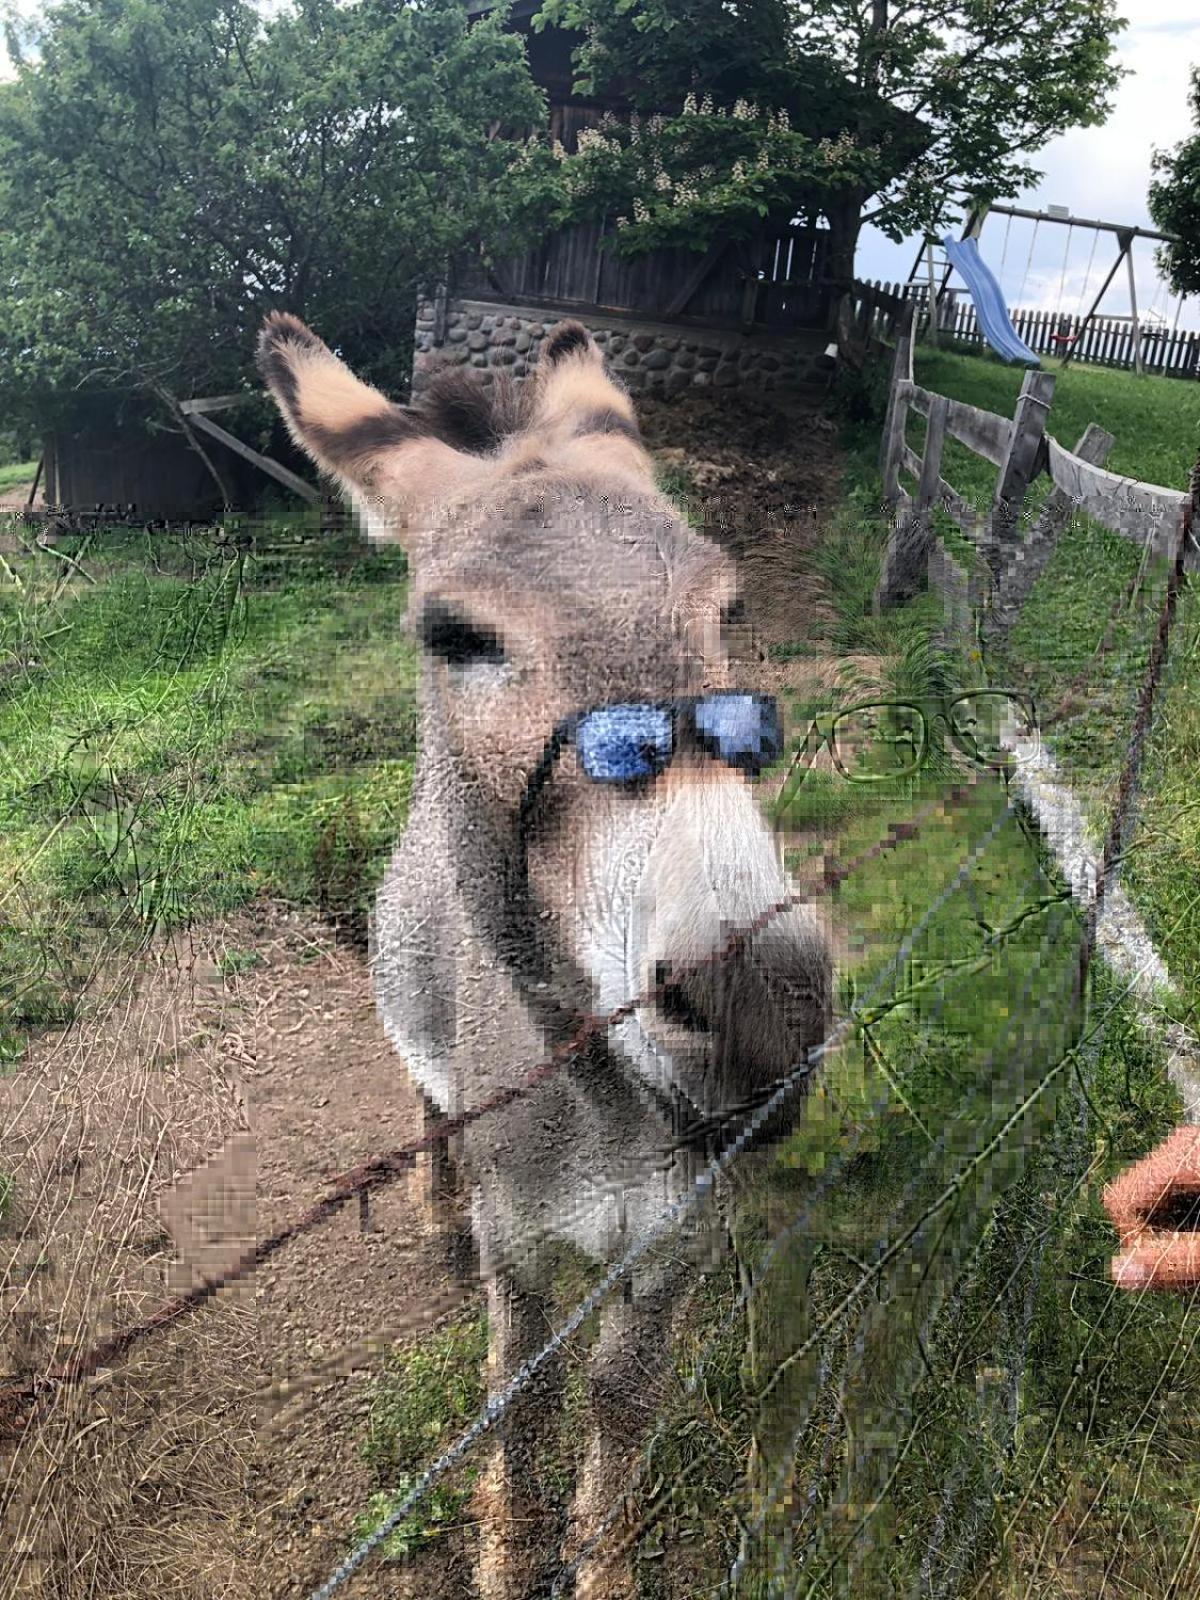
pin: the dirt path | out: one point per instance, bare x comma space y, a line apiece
150, 1141
766, 476
210, 1094
14, 497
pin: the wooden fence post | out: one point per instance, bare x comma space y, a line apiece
37, 478
906, 560
1021, 465
1026, 562
892, 442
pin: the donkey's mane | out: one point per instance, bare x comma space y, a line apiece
460, 410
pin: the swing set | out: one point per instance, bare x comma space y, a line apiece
1066, 343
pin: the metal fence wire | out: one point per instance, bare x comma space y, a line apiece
936, 1241
842, 1385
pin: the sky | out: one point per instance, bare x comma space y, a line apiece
1101, 173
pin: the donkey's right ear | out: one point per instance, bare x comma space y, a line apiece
348, 428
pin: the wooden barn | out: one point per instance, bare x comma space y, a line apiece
755, 311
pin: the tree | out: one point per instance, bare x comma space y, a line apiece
170, 169
760, 108
1175, 205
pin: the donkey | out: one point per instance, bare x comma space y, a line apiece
582, 833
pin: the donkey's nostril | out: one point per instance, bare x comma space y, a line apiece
674, 1004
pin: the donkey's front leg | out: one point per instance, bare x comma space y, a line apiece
629, 1377
515, 1543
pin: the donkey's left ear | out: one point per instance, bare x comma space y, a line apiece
348, 428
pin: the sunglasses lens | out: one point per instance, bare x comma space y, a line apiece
743, 729
620, 744
992, 727
872, 744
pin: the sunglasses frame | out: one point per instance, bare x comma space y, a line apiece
942, 707
564, 733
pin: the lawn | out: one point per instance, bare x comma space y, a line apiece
205, 720
15, 473
936, 1362
1156, 424
947, 1393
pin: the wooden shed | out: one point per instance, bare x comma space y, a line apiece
715, 315
775, 280
157, 473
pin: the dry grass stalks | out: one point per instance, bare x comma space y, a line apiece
134, 1482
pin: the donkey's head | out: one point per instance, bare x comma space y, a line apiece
578, 723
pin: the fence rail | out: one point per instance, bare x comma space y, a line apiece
1107, 342
1022, 448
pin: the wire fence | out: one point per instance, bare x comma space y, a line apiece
948, 1209
495, 1409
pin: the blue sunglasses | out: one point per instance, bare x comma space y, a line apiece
630, 743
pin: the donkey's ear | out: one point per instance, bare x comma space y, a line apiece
348, 428
576, 389
569, 338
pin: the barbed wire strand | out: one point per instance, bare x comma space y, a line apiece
377, 1171
782, 1238
1118, 832
881, 1249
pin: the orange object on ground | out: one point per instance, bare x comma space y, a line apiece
1155, 1206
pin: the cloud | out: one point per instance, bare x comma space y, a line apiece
1101, 173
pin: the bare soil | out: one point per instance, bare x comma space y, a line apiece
200, 1100
186, 1112
14, 497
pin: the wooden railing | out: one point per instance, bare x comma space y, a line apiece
1108, 341
1022, 449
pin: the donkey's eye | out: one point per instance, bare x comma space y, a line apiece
456, 639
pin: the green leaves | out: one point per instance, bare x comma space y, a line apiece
917, 107
1175, 204
172, 170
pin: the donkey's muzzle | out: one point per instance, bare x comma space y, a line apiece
738, 1023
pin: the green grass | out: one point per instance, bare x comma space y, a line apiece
200, 723
1088, 700
14, 473
426, 1394
1009, 1285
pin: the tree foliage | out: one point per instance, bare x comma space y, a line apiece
170, 169
1175, 204
774, 104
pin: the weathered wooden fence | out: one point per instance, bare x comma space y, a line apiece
774, 281
1107, 342
1022, 449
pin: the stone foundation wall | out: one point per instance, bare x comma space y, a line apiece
647, 356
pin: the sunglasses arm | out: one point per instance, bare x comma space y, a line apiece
798, 769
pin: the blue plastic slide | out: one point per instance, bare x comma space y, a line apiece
964, 257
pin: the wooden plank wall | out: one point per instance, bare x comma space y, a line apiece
161, 474
571, 268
